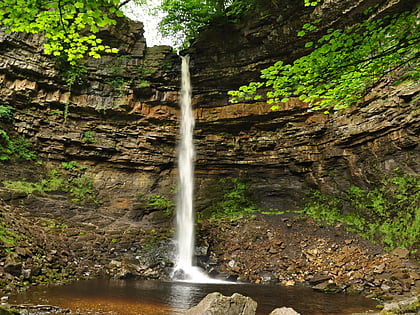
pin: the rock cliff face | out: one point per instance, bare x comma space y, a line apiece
285, 152
227, 55
122, 121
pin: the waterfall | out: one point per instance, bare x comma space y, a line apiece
184, 268
186, 154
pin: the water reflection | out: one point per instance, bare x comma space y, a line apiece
181, 295
124, 297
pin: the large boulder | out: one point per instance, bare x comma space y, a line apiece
217, 304
284, 311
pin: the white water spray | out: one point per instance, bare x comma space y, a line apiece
184, 269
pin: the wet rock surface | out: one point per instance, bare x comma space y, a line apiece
284, 311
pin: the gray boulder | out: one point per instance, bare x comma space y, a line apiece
284, 311
217, 304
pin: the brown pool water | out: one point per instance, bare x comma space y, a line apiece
126, 297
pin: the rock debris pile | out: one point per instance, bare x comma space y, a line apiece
292, 250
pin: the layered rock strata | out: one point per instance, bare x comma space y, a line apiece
122, 121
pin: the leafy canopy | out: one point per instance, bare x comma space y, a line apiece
343, 64
70, 26
183, 18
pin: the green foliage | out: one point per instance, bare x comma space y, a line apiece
183, 18
5, 152
119, 84
77, 182
89, 137
27, 188
22, 148
312, 3
70, 27
74, 73
55, 112
81, 189
343, 64
118, 65
388, 214
51, 223
161, 203
69, 166
54, 182
71, 179
231, 200
19, 147
7, 236
6, 112
143, 84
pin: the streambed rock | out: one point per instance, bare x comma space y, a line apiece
217, 304
284, 311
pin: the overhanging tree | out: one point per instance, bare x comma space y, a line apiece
343, 64
69, 26
183, 18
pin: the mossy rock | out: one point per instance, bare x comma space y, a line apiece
8, 311
327, 287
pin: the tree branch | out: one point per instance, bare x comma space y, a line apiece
123, 3
61, 17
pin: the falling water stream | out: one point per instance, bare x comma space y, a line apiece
186, 153
184, 268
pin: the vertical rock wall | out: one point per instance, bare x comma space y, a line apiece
122, 121
286, 152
